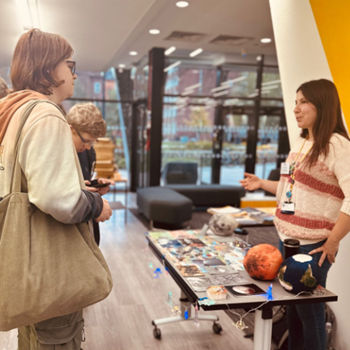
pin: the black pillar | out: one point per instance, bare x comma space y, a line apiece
218, 134
155, 106
125, 84
134, 150
253, 122
104, 96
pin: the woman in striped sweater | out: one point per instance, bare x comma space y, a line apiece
313, 197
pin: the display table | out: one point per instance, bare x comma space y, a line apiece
263, 315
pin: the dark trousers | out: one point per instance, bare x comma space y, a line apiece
64, 333
306, 322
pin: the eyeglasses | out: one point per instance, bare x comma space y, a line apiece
91, 143
72, 67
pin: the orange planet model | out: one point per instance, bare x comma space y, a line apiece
263, 261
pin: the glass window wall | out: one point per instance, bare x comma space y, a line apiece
188, 119
139, 75
267, 147
187, 81
5, 74
234, 148
240, 81
271, 84
187, 138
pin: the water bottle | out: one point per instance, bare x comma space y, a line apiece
290, 247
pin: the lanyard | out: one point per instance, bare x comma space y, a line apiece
293, 169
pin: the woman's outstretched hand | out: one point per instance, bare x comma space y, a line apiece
251, 182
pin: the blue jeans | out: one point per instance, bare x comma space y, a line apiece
306, 322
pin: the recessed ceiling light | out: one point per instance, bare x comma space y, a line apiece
182, 4
265, 40
121, 65
133, 53
28, 13
154, 31
170, 50
196, 52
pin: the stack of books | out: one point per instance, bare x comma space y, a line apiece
105, 166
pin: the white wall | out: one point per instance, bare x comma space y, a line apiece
301, 58
299, 51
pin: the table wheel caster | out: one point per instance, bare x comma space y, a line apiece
157, 334
217, 328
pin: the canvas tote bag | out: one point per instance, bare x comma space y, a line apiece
47, 268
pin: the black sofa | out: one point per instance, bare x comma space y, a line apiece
163, 205
211, 195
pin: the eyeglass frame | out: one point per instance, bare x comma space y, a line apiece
83, 141
73, 68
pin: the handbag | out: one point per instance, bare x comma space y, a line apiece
47, 268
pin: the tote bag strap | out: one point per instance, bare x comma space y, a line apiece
17, 172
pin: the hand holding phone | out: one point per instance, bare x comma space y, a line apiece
94, 183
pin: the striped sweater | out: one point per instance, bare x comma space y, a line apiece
320, 193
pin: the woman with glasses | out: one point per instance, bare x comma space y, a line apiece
42, 69
87, 125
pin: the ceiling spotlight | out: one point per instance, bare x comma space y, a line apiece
154, 31
265, 40
133, 53
182, 4
169, 51
121, 65
28, 13
196, 52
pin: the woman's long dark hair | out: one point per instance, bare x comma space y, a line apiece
324, 96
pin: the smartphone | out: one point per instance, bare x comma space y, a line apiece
94, 183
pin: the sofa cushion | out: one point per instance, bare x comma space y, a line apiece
164, 205
211, 195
